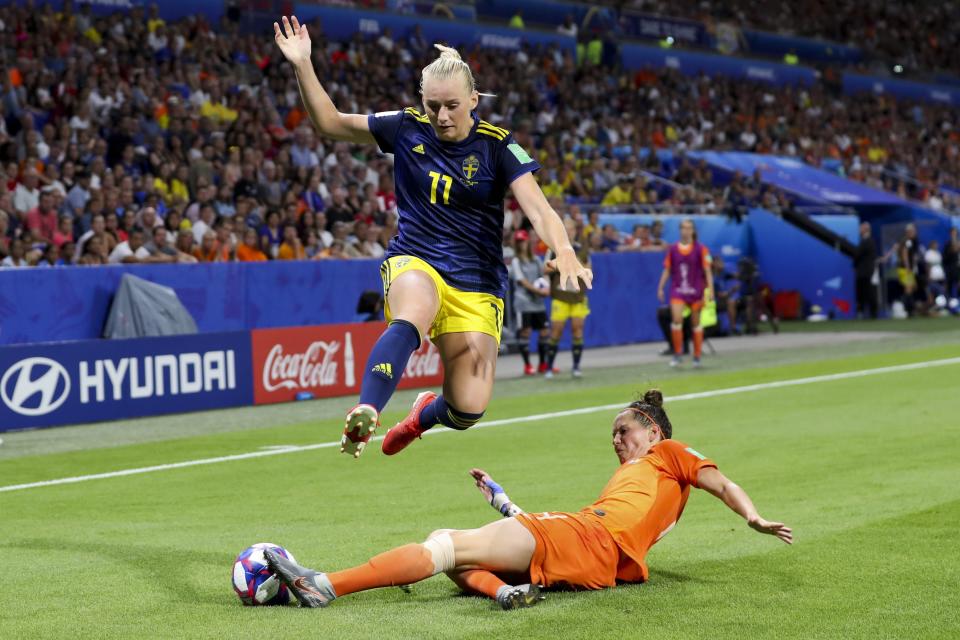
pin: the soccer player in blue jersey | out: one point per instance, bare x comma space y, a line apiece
444, 273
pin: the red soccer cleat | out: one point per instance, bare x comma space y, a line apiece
408, 429
528, 370
542, 368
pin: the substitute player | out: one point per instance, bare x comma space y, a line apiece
687, 266
567, 304
444, 272
596, 547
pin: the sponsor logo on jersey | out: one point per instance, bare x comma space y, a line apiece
419, 149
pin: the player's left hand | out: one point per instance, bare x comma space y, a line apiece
485, 483
777, 529
571, 271
708, 295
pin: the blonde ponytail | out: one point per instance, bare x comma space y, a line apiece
450, 65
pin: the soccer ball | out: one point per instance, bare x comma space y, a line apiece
541, 284
253, 581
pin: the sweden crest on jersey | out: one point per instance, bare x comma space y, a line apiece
470, 166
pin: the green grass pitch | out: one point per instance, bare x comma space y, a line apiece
865, 470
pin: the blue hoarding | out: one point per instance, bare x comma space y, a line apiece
806, 49
71, 303
690, 63
642, 25
93, 380
799, 178
343, 24
854, 83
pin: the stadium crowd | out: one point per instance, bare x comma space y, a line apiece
917, 39
124, 138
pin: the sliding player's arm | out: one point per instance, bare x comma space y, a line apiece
711, 480
495, 494
294, 43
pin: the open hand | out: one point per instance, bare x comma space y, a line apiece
570, 271
777, 529
293, 40
483, 481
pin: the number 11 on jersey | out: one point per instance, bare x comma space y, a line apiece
447, 183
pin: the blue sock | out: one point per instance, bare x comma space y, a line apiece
387, 362
439, 412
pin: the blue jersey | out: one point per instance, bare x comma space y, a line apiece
450, 196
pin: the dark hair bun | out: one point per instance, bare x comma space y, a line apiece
653, 397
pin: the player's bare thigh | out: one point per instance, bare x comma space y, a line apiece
413, 297
576, 327
469, 364
503, 545
676, 312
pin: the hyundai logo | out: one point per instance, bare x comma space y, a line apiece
32, 394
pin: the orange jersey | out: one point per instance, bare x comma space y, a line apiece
685, 250
643, 501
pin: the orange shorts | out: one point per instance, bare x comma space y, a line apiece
573, 551
696, 306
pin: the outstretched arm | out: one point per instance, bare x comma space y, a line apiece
294, 42
710, 479
495, 494
550, 227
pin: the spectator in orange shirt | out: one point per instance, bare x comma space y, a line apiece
249, 249
208, 251
291, 248
597, 547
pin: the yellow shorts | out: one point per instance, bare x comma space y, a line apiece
460, 311
560, 311
907, 279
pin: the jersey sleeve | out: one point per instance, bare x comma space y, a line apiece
707, 258
683, 461
515, 161
666, 260
385, 126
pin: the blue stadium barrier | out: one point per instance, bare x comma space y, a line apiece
854, 83
71, 303
341, 24
845, 226
689, 63
92, 380
791, 259
776, 44
212, 10
546, 11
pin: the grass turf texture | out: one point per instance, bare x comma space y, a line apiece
864, 470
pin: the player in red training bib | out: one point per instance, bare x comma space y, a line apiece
687, 266
444, 273
597, 547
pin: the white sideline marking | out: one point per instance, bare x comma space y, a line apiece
282, 449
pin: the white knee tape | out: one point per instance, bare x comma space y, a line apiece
441, 551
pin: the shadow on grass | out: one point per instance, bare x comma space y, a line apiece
160, 566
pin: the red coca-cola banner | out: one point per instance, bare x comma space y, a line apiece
327, 361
